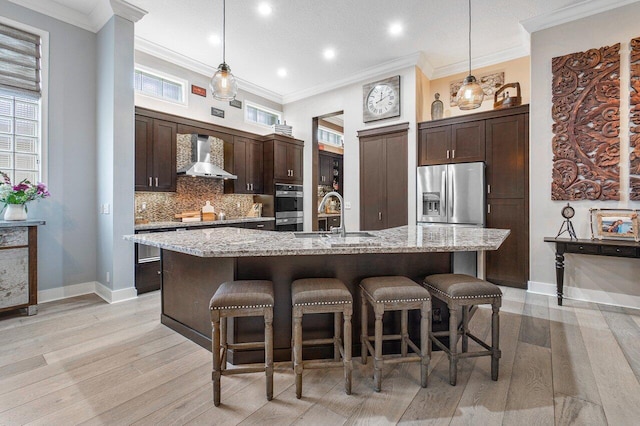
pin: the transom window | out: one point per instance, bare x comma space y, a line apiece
152, 84
19, 137
261, 115
329, 136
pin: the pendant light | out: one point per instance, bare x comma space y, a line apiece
224, 86
470, 95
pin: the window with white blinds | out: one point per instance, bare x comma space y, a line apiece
19, 62
19, 137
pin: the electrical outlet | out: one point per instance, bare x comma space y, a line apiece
105, 208
108, 277
347, 205
238, 205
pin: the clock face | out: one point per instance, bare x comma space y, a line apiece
568, 212
381, 99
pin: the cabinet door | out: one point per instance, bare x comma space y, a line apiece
509, 264
144, 154
240, 155
333, 221
395, 209
148, 276
294, 161
372, 183
281, 169
467, 142
325, 176
434, 146
507, 139
255, 167
164, 155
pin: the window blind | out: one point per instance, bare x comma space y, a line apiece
20, 62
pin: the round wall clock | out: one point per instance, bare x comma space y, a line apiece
381, 99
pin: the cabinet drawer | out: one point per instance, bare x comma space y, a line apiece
619, 251
582, 248
333, 221
12, 237
265, 226
14, 281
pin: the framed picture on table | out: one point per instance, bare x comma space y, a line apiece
620, 224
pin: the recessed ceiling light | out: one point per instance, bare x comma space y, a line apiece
329, 53
265, 9
282, 72
214, 39
395, 29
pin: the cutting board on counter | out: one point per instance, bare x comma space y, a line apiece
190, 216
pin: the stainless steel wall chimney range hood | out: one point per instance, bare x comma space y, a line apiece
201, 161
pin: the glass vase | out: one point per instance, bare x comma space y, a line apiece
15, 212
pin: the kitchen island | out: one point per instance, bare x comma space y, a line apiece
195, 263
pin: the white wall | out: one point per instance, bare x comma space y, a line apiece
67, 248
610, 280
299, 114
199, 107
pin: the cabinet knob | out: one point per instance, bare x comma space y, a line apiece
447, 154
150, 181
617, 250
379, 215
156, 182
580, 247
159, 272
453, 153
259, 226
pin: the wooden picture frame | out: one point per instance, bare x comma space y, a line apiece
617, 224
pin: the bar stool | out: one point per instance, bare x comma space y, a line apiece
395, 294
463, 291
249, 298
316, 296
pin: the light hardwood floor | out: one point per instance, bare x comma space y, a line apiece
81, 360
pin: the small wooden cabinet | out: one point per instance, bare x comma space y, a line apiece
19, 266
155, 154
244, 158
461, 142
283, 161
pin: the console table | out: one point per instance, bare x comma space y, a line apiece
616, 248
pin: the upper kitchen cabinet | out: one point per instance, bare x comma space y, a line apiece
155, 154
283, 158
457, 142
330, 170
507, 145
244, 158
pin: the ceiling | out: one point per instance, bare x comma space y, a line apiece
295, 34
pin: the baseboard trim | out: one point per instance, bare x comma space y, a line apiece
587, 295
91, 287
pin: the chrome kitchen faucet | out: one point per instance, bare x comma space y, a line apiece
340, 229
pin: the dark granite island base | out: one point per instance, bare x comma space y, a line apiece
195, 263
189, 282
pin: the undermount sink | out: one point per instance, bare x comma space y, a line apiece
328, 234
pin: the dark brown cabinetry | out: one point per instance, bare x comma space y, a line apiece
383, 177
155, 154
283, 157
244, 158
330, 170
461, 142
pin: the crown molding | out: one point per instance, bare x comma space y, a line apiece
425, 65
59, 12
394, 65
483, 61
571, 13
127, 11
176, 58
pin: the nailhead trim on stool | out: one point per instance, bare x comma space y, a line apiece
316, 296
462, 291
234, 299
395, 293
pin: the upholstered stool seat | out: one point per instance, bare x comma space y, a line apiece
461, 291
247, 298
395, 293
315, 296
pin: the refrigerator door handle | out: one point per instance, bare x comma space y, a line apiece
442, 210
452, 183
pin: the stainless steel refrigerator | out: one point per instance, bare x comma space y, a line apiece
453, 195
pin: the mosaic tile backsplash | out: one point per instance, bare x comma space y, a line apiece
192, 192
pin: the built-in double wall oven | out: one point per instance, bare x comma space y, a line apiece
288, 207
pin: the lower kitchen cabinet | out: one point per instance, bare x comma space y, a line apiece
19, 265
509, 264
148, 276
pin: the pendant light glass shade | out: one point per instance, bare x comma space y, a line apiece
224, 86
470, 95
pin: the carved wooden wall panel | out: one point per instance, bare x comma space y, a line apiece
634, 122
586, 115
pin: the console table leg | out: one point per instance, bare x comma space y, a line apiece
560, 276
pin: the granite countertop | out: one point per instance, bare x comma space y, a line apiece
17, 223
240, 242
173, 225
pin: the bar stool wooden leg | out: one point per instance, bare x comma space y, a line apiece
223, 343
404, 315
348, 364
465, 328
364, 332
495, 340
337, 332
425, 344
268, 351
378, 361
453, 344
215, 349
297, 350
